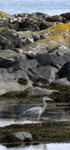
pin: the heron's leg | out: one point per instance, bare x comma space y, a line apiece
39, 119
39, 116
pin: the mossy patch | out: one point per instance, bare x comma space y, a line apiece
2, 29
22, 81
60, 39
5, 15
55, 38
58, 33
56, 29
45, 132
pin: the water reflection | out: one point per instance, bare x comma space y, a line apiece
51, 146
11, 110
7, 122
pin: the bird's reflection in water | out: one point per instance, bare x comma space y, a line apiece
36, 147
45, 147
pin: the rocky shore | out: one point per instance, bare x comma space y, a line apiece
34, 53
34, 58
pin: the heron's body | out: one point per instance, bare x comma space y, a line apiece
37, 111
34, 111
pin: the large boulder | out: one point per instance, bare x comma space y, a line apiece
8, 38
65, 70
61, 82
37, 91
23, 135
64, 17
52, 59
47, 72
33, 22
13, 68
16, 138
55, 18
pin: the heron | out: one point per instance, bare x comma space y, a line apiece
37, 111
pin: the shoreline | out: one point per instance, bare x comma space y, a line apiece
34, 12
31, 12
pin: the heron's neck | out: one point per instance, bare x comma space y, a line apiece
44, 104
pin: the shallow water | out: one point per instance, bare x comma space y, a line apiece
49, 6
50, 146
10, 112
7, 122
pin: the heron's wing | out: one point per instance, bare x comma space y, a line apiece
34, 111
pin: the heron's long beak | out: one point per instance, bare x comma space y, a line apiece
50, 100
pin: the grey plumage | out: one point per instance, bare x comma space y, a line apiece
37, 111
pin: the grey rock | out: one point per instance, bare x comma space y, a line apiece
47, 72
36, 48
16, 138
23, 135
0, 47
37, 91
63, 50
13, 68
9, 39
56, 18
65, 70
52, 45
61, 82
52, 59
66, 17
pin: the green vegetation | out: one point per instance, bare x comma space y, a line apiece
2, 29
57, 29
4, 15
46, 132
